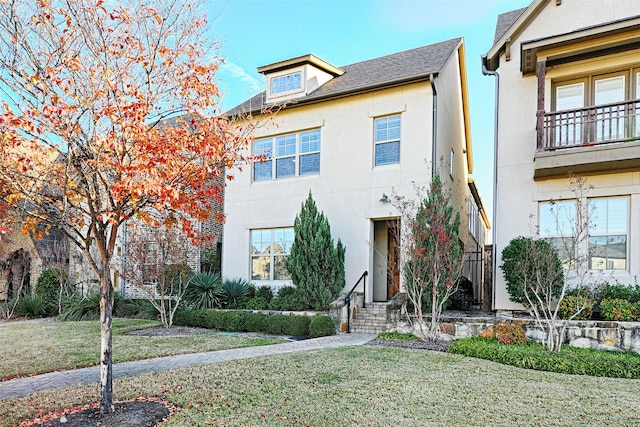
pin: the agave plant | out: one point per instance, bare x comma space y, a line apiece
204, 291
234, 290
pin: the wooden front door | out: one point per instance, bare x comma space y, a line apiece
393, 263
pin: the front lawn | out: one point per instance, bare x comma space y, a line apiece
35, 347
364, 386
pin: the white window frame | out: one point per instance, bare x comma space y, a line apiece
272, 254
274, 83
386, 140
274, 156
597, 231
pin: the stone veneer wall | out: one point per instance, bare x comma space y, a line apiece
601, 335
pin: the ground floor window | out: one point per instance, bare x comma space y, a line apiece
607, 219
608, 232
269, 251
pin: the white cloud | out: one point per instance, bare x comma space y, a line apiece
252, 84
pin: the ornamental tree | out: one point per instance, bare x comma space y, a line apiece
315, 264
431, 255
110, 112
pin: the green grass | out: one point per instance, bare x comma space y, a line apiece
364, 386
33, 348
569, 360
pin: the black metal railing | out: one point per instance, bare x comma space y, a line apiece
601, 124
347, 298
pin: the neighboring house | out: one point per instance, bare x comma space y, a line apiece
353, 136
569, 90
23, 258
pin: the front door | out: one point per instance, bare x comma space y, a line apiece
393, 262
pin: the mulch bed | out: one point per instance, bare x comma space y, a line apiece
134, 413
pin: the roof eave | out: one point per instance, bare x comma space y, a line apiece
343, 94
498, 47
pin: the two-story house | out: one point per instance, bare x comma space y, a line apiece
568, 103
352, 136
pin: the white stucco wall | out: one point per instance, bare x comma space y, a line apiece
517, 193
349, 186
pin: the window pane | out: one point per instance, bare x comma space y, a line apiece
286, 83
608, 252
309, 163
617, 215
260, 242
557, 218
387, 153
262, 147
387, 128
608, 215
285, 167
283, 239
569, 97
286, 145
262, 171
280, 271
310, 141
609, 90
260, 268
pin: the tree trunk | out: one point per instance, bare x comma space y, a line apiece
106, 342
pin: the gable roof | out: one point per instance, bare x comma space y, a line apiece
386, 71
505, 21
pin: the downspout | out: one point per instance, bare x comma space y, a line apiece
434, 127
494, 258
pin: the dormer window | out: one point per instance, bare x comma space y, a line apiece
297, 77
287, 83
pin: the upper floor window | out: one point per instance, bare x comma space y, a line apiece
287, 83
595, 109
270, 249
608, 233
288, 155
387, 140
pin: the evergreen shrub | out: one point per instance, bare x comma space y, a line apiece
321, 326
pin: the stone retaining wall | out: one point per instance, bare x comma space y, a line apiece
584, 334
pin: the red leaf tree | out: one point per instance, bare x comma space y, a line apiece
109, 112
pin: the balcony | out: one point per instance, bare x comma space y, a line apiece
602, 138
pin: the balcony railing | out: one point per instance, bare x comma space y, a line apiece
601, 124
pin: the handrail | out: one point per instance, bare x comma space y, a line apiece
347, 298
598, 124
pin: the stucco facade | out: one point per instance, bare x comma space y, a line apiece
581, 58
350, 183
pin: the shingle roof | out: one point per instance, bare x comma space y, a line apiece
505, 21
378, 72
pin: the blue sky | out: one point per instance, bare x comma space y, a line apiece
253, 33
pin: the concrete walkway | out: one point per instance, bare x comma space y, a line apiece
25, 386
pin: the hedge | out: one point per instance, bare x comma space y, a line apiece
240, 321
569, 360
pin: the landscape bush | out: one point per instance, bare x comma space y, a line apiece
235, 292
571, 303
610, 291
619, 310
510, 333
48, 287
569, 360
288, 299
239, 321
31, 306
204, 292
321, 326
